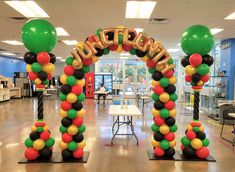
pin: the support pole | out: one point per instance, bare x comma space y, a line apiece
196, 105
40, 104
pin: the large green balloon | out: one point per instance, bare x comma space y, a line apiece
197, 39
39, 35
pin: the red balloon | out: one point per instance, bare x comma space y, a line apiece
78, 121
67, 137
205, 78
195, 60
87, 62
150, 63
31, 154
113, 47
158, 89
169, 73
78, 153
196, 124
126, 47
39, 124
158, 151
203, 152
188, 78
45, 135
191, 135
49, 76
69, 70
170, 136
159, 121
65, 105
182, 147
43, 58
91, 38
77, 89
32, 76
169, 105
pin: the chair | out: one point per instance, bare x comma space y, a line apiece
227, 118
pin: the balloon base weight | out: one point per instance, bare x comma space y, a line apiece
84, 159
39, 160
208, 159
152, 156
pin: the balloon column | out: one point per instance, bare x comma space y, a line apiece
197, 41
87, 52
39, 37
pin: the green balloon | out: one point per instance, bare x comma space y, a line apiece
120, 39
50, 142
72, 146
98, 32
71, 80
173, 97
155, 97
132, 51
81, 129
81, 97
62, 96
171, 61
106, 51
46, 82
69, 61
86, 69
205, 142
72, 113
197, 39
196, 129
36, 67
164, 144
28, 142
173, 128
39, 35
152, 70
164, 113
63, 129
193, 83
155, 128
164, 82
39, 129
203, 69
185, 141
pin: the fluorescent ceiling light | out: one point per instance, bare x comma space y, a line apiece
230, 16
59, 58
172, 50
27, 8
13, 42
63, 60
125, 54
179, 44
123, 57
70, 42
8, 54
216, 30
139, 9
138, 30
61, 32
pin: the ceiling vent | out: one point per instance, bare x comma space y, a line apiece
159, 21
18, 19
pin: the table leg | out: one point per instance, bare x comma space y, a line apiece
132, 129
143, 107
117, 121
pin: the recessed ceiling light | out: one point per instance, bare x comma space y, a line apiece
63, 60
216, 30
59, 58
27, 8
61, 32
70, 42
230, 16
172, 50
138, 30
13, 42
8, 54
179, 44
139, 9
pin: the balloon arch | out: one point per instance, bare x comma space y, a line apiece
40, 66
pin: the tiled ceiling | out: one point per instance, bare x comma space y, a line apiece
83, 17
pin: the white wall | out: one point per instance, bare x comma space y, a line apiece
59, 68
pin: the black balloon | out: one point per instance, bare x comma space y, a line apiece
189, 152
110, 35
185, 61
201, 135
196, 77
78, 137
207, 59
79, 73
157, 76
170, 89
42, 75
45, 153
100, 52
52, 58
170, 152
140, 53
158, 105
34, 135
66, 89
131, 36
158, 136
30, 58
67, 154
170, 121
66, 122
77, 106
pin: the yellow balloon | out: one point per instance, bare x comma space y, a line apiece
200, 83
63, 78
201, 128
164, 97
196, 143
45, 128
155, 143
191, 98
63, 145
63, 113
172, 112
71, 98
154, 83
28, 68
72, 130
172, 80
164, 129
120, 27
155, 112
119, 49
189, 127
190, 70
34, 128
38, 144
95, 59
37, 81
81, 113
82, 144
159, 68
144, 59
172, 143
48, 68
81, 82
